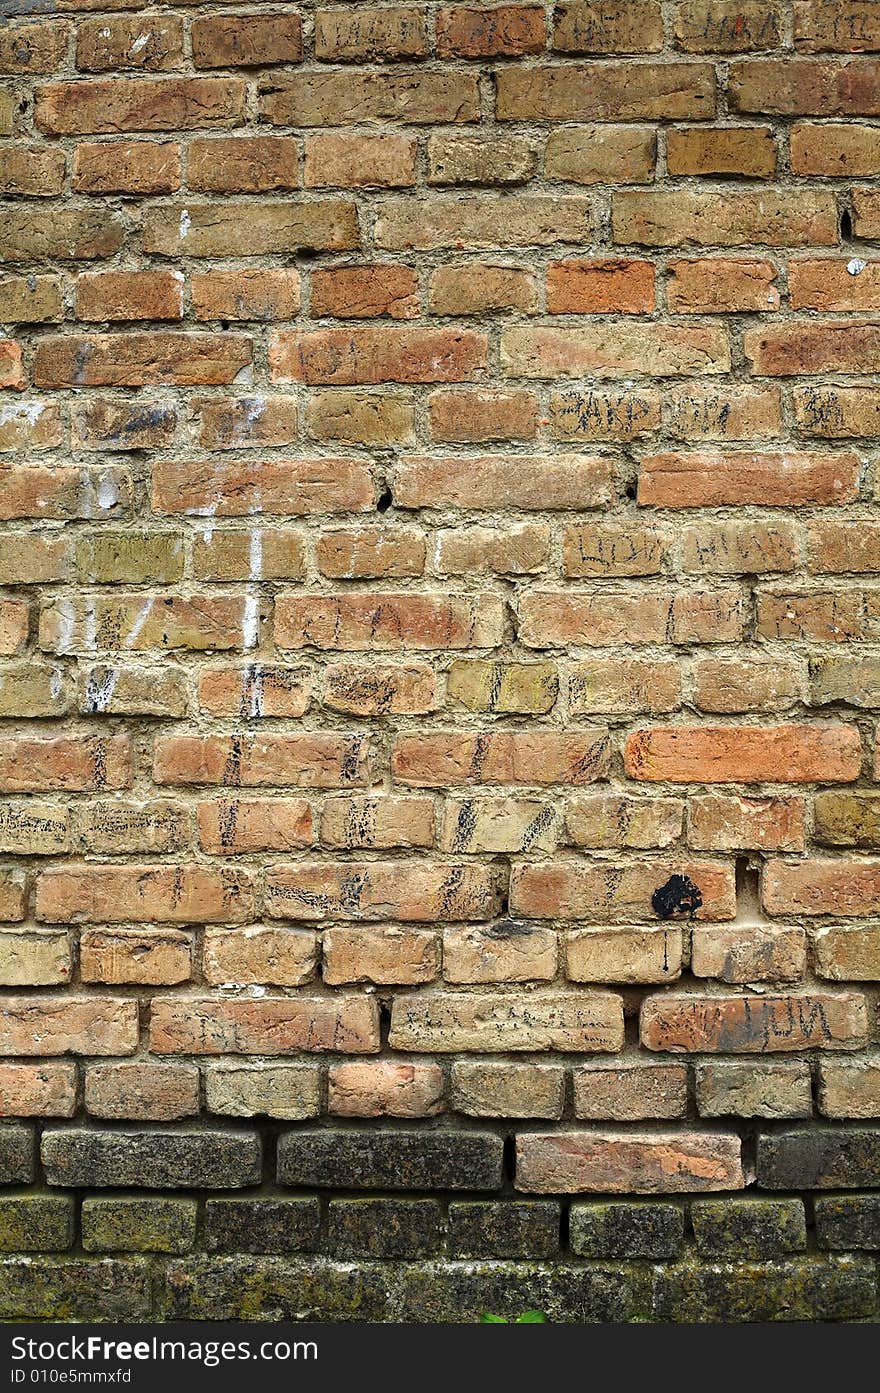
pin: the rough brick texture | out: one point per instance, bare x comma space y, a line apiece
439, 668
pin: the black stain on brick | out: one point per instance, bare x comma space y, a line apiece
678, 896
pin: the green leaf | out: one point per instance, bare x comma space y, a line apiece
486, 1319
531, 1318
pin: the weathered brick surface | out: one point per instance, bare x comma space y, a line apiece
439, 592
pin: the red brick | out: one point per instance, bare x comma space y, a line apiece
244, 488
152, 894
745, 754
346, 357
385, 1089
600, 287
138, 104
313, 759
754, 1025
497, 31
627, 1162
775, 479
365, 292
35, 765
413, 891
351, 622
52, 1025
246, 40
127, 166
500, 757
615, 894
842, 888
805, 87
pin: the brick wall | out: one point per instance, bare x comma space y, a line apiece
440, 619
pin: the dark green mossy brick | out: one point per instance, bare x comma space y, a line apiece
624, 1229
455, 1292
848, 1221
382, 1228
36, 1223
504, 1229
391, 1160
807, 1289
262, 1226
17, 1155
749, 1228
56, 1289
138, 1225
152, 1160
824, 1158
272, 1289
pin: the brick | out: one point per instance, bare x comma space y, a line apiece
359, 161
498, 825
380, 689
500, 757
140, 360
284, 1025
36, 1223
361, 418
144, 1092
36, 1288
522, 550
747, 151
31, 560
774, 217
39, 47
152, 894
147, 43
721, 285
826, 284
349, 99
550, 619
617, 27
772, 1089
229, 423
29, 959
371, 552
138, 1225
849, 1089
847, 819
240, 295
474, 415
259, 955
728, 26
34, 829
33, 765
236, 826
254, 692
262, 1226
600, 286
612, 820
847, 1221
482, 220
601, 154
624, 956
627, 1162
317, 759
385, 955
469, 159
32, 171
378, 823
51, 1025
823, 616
105, 424
390, 1160
384, 1089
365, 292
133, 622
28, 689
847, 954
626, 1230
506, 951
348, 357
217, 230
504, 1229
11, 366
351, 622
506, 688
139, 955
108, 295
151, 1160
117, 826
853, 680
730, 823
630, 1092
847, 28
614, 349
752, 1228
730, 548
243, 488
135, 691
610, 894
841, 888
499, 31
384, 1228
606, 91
416, 892
749, 953
138, 104
745, 754
369, 34
588, 414
508, 1090
867, 213
30, 299
552, 482
479, 287
804, 87
816, 347
467, 1023
291, 1092
842, 1158
126, 166
69, 235
742, 1024
246, 40
827, 552
833, 150
16, 1155
243, 164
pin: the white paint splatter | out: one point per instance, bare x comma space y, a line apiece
256, 554
137, 626
99, 691
185, 224
90, 625
56, 682
253, 691
856, 266
250, 622
139, 43
29, 411
66, 624
108, 493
